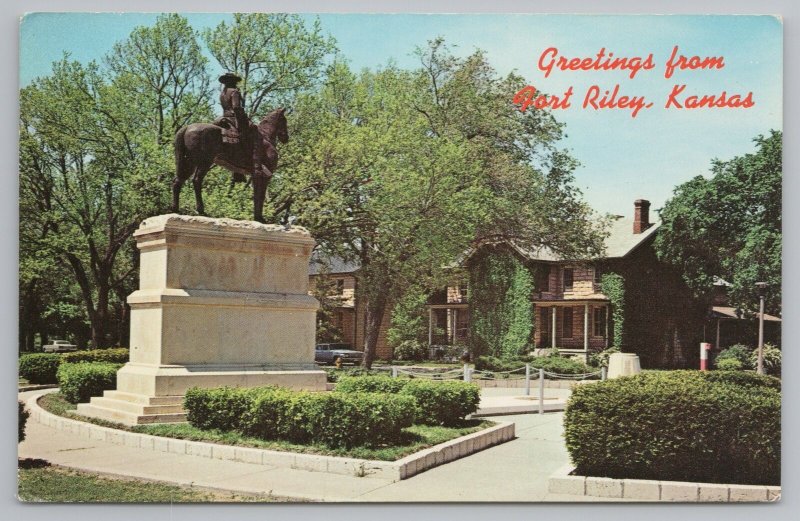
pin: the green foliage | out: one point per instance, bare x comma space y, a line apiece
439, 403
336, 420
325, 292
411, 350
612, 285
408, 334
729, 226
443, 403
118, 355
677, 425
772, 359
79, 382
220, 408
600, 358
22, 420
501, 313
739, 352
492, 363
744, 379
39, 368
552, 364
729, 364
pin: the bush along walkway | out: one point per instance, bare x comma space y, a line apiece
514, 471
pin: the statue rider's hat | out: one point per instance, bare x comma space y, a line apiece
230, 77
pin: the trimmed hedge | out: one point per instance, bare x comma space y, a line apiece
23, 419
718, 426
729, 364
39, 368
439, 402
552, 364
338, 420
79, 382
117, 355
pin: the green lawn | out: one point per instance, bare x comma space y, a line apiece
417, 437
39, 482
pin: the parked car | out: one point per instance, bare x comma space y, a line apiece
59, 346
331, 353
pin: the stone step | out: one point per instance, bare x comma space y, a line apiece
134, 407
128, 418
144, 400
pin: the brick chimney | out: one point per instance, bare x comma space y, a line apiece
641, 215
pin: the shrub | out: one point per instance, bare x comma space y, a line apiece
492, 363
560, 365
411, 350
117, 355
23, 419
39, 368
346, 420
744, 379
600, 358
443, 403
277, 414
772, 359
738, 352
79, 382
729, 364
371, 384
677, 425
220, 408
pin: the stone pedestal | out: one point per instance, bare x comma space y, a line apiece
220, 303
623, 364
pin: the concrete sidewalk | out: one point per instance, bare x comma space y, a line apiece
514, 471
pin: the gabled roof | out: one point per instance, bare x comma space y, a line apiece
331, 264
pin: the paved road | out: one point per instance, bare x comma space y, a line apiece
514, 471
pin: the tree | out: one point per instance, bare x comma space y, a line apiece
729, 226
402, 170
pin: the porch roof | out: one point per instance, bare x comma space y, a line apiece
572, 302
729, 313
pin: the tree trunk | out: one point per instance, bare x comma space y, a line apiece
376, 307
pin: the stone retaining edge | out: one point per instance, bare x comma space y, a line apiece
387, 470
563, 482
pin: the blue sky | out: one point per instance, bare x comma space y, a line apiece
622, 158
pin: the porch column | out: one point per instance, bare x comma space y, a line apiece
717, 346
553, 336
430, 326
608, 312
455, 325
586, 327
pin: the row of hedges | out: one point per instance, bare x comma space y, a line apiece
41, 368
718, 426
439, 403
338, 420
79, 382
552, 364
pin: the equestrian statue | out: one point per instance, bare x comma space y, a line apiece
232, 142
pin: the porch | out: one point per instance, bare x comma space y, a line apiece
572, 326
448, 324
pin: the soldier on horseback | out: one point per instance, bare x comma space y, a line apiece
233, 115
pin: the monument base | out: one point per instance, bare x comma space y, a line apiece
154, 394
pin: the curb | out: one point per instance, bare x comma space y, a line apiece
34, 387
387, 470
564, 482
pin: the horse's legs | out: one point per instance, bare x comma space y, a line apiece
197, 181
260, 181
177, 184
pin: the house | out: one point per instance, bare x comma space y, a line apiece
662, 323
349, 312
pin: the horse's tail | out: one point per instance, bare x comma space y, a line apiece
182, 163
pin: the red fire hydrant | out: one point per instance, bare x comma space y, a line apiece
705, 347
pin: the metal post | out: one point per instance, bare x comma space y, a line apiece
541, 391
527, 379
586, 328
467, 374
553, 339
603, 373
394, 372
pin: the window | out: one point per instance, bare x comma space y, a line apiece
543, 278
567, 279
566, 330
463, 289
600, 321
598, 273
340, 286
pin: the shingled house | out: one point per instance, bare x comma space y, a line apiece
662, 323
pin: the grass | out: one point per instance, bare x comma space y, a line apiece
417, 437
39, 482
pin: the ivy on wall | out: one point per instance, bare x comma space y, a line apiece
612, 285
501, 312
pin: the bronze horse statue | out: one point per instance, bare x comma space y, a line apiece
199, 146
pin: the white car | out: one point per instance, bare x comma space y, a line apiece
59, 346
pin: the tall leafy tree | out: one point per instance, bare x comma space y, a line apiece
729, 226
